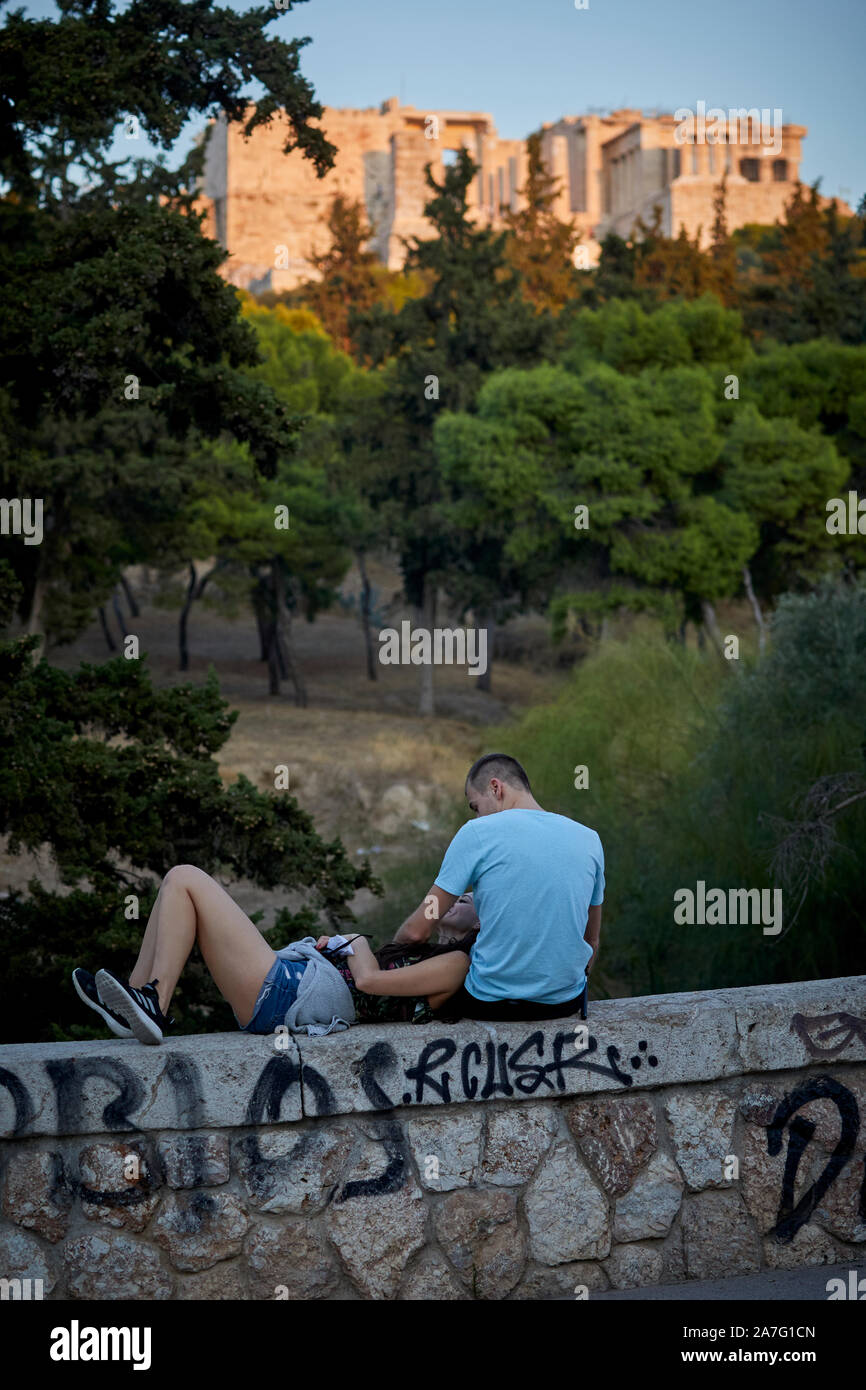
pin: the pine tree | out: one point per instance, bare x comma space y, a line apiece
539, 246
351, 276
722, 250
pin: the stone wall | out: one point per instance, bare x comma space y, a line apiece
676, 1137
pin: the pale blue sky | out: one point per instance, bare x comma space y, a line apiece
527, 61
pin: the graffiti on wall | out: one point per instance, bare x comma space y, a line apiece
442, 1071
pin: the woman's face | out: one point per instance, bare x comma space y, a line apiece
461, 916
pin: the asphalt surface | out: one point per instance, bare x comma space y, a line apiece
779, 1285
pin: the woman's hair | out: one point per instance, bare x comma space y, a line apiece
393, 950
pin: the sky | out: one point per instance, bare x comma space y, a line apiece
528, 61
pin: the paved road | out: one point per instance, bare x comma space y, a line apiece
791, 1285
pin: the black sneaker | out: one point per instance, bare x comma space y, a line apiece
140, 1007
85, 987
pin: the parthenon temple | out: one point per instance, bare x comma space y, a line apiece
269, 209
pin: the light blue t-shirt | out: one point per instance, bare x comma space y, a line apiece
535, 875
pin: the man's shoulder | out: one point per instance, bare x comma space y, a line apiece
464, 837
574, 826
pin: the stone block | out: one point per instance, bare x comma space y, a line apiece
290, 1262
195, 1160
568, 1216
108, 1194
673, 1258
761, 1177
481, 1236
286, 1170
718, 1237
104, 1265
377, 1220
634, 1266
760, 1105
838, 1209
35, 1193
517, 1140
22, 1258
201, 1228
222, 1282
430, 1281
810, 1246
446, 1148
782, 1032
648, 1210
702, 1125
561, 1283
616, 1137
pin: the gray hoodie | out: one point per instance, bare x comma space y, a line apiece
324, 1000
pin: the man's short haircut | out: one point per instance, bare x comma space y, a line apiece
499, 765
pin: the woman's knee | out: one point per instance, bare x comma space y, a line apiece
184, 876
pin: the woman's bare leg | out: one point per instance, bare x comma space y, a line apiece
143, 972
191, 907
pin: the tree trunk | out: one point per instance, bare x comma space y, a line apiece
427, 620
130, 596
273, 661
34, 617
106, 632
263, 621
485, 623
372, 672
756, 608
711, 623
285, 649
184, 616
118, 613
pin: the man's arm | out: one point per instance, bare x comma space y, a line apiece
420, 923
590, 936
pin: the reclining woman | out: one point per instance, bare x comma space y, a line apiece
260, 985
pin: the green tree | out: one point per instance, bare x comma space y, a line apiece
591, 480
540, 247
281, 542
471, 319
810, 280
120, 345
350, 275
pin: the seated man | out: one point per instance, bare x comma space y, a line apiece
538, 881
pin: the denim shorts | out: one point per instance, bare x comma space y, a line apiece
276, 996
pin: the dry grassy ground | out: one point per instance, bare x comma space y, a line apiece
360, 758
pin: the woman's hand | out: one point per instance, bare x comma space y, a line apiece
322, 941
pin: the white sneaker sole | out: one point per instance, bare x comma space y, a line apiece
117, 1029
116, 997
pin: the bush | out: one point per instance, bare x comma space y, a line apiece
700, 773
